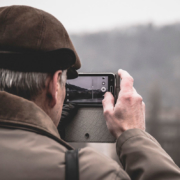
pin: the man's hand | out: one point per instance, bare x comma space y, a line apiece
68, 112
129, 111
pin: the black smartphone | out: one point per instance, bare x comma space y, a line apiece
89, 88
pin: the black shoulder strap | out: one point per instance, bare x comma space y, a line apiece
72, 165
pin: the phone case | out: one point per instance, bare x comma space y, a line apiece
89, 125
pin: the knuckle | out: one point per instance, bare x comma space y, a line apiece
127, 96
106, 112
131, 79
139, 98
131, 97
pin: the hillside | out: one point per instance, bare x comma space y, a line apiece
151, 55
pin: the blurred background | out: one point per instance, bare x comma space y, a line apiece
140, 36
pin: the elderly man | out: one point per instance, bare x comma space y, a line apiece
35, 56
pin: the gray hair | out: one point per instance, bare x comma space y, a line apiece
25, 84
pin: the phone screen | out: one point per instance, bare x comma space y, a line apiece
87, 89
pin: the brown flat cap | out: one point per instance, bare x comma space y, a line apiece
32, 40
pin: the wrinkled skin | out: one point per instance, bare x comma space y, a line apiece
129, 110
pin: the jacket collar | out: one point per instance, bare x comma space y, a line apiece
17, 110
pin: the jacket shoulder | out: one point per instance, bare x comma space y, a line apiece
93, 164
28, 155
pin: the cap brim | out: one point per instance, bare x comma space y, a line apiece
45, 62
72, 73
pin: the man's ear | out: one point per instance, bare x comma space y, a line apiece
53, 88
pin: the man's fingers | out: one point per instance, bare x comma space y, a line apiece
126, 80
108, 103
144, 110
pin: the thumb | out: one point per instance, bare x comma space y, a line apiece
108, 102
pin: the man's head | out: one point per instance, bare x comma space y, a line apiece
45, 89
35, 55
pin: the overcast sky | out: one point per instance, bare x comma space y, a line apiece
94, 15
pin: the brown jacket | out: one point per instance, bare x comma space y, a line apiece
29, 155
